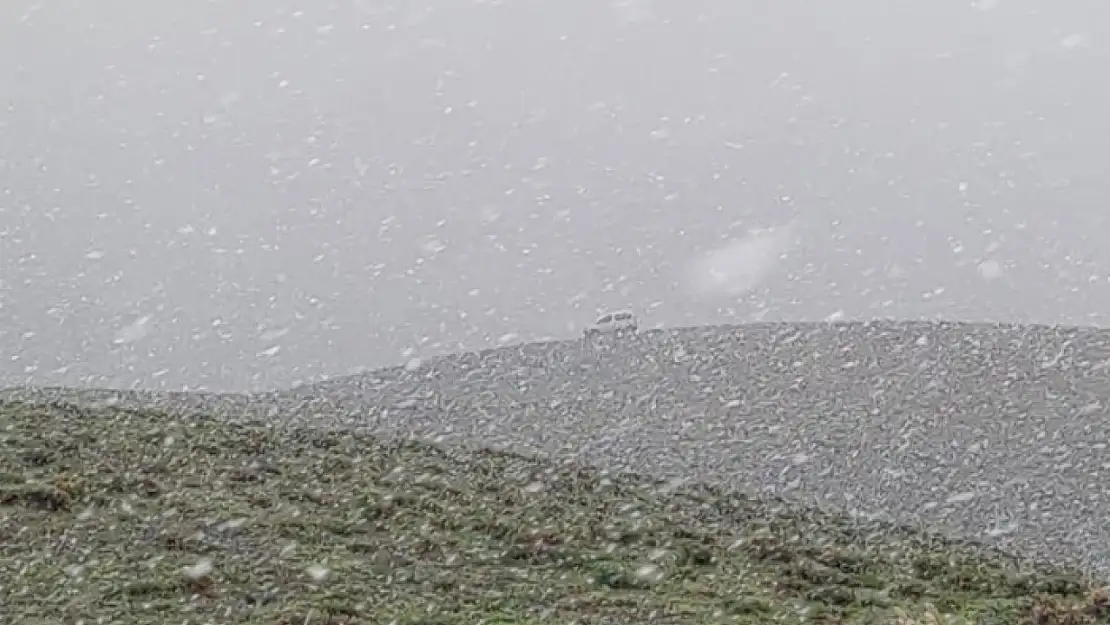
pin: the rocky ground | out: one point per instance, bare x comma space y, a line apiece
989, 431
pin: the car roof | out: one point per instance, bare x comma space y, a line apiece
614, 313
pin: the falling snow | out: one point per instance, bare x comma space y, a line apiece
990, 269
362, 200
318, 572
740, 265
1075, 40
201, 569
134, 331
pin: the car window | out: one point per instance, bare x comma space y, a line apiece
605, 318
622, 316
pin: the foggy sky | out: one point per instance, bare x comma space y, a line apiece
285, 190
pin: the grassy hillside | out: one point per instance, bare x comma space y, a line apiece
128, 516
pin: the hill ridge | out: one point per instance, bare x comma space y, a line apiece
976, 428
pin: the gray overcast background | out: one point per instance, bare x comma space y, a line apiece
239, 195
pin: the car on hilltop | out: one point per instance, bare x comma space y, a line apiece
616, 323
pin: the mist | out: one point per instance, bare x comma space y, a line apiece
243, 195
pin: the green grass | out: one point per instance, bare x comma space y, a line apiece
113, 516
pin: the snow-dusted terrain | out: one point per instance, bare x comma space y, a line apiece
995, 431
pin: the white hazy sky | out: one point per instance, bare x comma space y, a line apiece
242, 194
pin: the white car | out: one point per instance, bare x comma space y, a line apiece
619, 323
